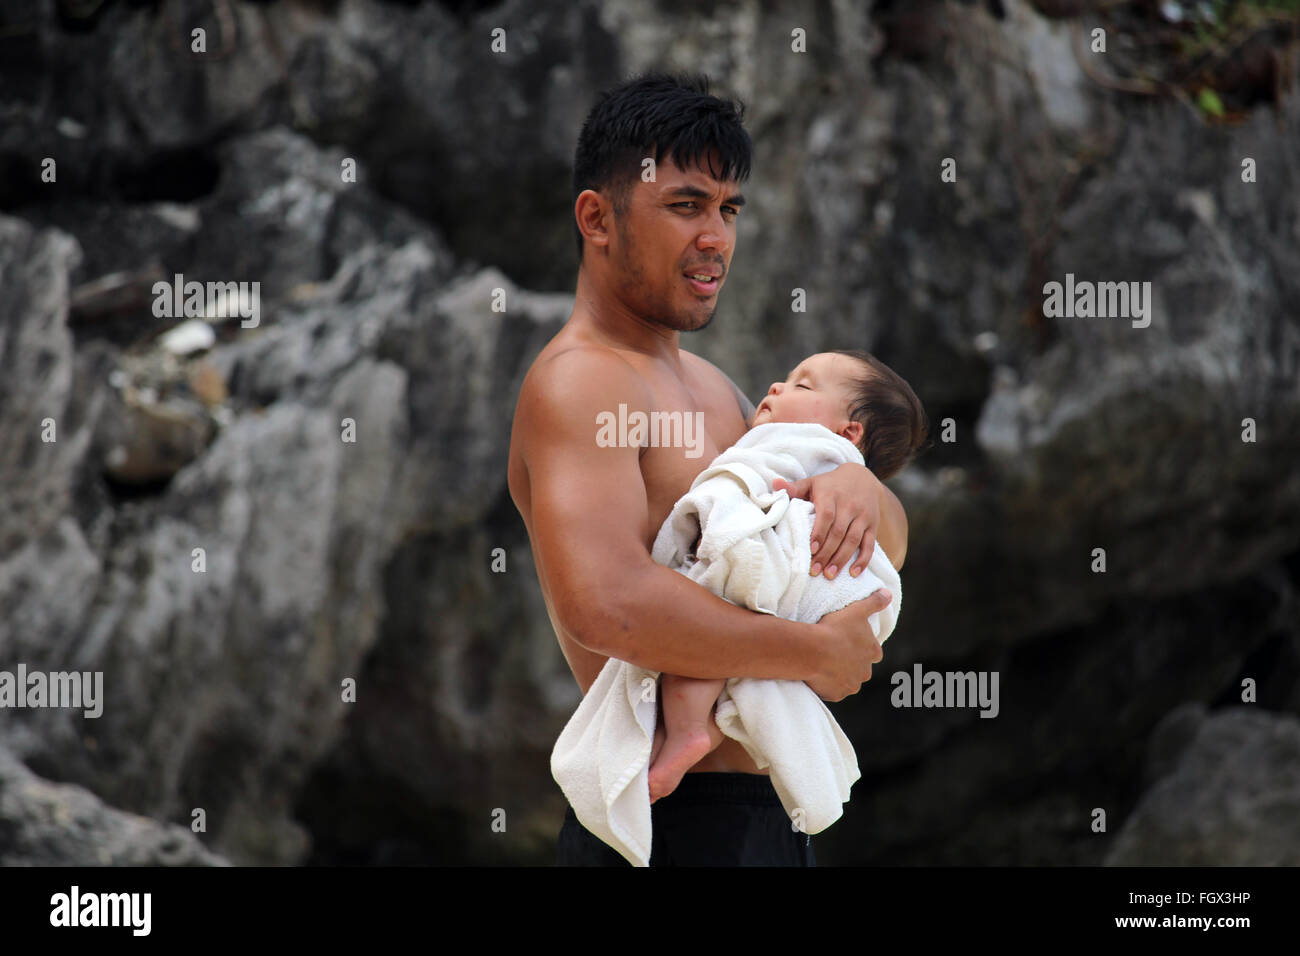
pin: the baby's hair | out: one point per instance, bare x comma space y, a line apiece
894, 424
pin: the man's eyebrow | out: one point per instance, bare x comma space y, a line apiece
695, 192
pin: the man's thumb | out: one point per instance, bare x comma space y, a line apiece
795, 489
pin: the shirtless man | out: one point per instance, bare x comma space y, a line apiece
592, 512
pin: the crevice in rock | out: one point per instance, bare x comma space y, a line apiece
19, 179
464, 10
121, 493
83, 16
177, 175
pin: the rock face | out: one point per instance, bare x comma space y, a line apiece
45, 824
1231, 798
310, 596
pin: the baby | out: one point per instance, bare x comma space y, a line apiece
857, 397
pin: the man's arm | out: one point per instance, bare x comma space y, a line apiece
852, 509
893, 527
590, 521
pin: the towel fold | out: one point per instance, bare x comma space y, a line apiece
753, 551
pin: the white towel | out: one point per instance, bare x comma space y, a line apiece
753, 551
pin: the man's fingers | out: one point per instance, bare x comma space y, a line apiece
851, 543
795, 489
822, 520
877, 601
835, 695
865, 551
833, 544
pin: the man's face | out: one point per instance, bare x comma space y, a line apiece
819, 391
672, 245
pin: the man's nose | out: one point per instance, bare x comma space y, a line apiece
714, 235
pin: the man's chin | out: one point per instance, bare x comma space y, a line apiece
684, 322
699, 323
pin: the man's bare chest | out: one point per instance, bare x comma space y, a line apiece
669, 469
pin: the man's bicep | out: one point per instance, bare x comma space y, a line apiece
892, 536
588, 503
590, 513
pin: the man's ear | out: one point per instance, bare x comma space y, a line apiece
594, 216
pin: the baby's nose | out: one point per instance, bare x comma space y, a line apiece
776, 388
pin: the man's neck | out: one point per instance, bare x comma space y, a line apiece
599, 313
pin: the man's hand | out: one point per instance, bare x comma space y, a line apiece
851, 647
846, 507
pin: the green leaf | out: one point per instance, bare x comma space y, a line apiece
1209, 102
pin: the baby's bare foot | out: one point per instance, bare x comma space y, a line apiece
679, 753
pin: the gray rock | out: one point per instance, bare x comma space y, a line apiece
1233, 799
53, 824
156, 440
42, 433
328, 559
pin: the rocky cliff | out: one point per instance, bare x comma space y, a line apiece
278, 543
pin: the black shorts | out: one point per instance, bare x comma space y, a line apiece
711, 819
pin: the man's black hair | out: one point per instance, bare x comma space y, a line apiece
658, 115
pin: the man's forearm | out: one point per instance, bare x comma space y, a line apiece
663, 621
892, 535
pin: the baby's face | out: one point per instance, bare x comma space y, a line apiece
818, 391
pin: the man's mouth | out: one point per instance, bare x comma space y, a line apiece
705, 283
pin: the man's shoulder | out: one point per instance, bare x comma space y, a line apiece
699, 362
722, 379
580, 374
